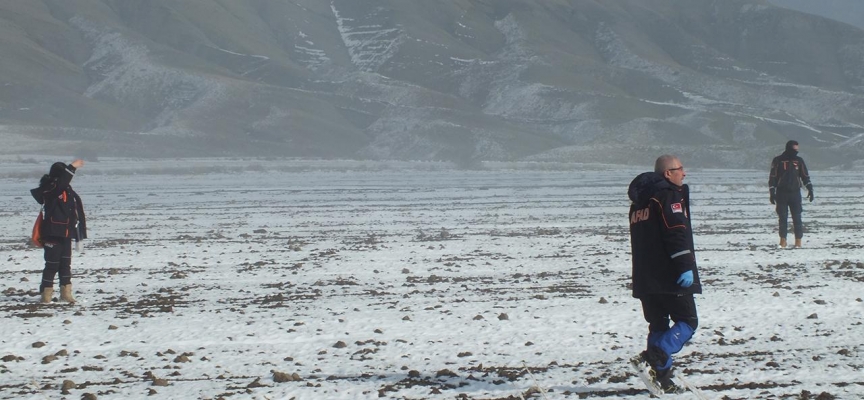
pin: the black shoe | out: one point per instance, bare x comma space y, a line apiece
664, 379
647, 374
655, 356
640, 361
672, 388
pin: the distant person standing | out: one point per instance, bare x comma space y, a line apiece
788, 175
665, 277
63, 221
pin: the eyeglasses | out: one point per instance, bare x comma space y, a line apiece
681, 168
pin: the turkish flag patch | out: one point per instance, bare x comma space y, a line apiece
676, 208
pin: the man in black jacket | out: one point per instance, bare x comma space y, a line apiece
63, 221
788, 175
665, 276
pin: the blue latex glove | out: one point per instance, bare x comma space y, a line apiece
686, 279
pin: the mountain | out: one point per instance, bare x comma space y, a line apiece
719, 82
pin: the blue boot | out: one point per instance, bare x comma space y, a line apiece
672, 341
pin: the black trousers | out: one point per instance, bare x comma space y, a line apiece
789, 203
659, 309
58, 259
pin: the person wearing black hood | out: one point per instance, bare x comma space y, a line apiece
788, 175
63, 221
665, 277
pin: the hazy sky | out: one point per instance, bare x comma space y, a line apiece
848, 11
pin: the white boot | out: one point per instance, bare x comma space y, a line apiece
47, 293
66, 293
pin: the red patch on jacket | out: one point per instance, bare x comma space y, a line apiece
676, 208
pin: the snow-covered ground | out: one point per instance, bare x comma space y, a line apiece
416, 282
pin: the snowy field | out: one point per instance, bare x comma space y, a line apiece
278, 280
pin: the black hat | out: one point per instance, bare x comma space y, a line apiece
57, 169
791, 143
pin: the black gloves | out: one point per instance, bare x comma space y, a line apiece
771, 192
810, 192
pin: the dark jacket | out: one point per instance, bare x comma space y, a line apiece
64, 213
789, 173
661, 237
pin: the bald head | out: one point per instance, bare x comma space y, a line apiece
665, 162
670, 167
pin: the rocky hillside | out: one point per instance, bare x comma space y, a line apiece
721, 82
